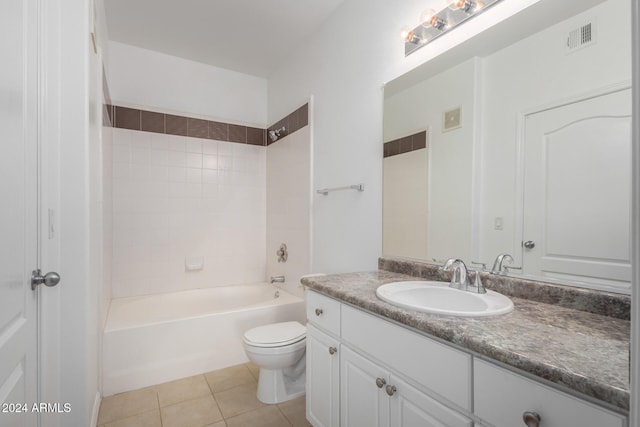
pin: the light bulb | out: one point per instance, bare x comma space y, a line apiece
467, 6
427, 16
404, 32
409, 36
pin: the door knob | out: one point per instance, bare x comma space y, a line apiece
529, 244
318, 311
531, 419
332, 350
50, 279
380, 382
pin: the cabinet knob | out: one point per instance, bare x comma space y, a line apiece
332, 350
531, 419
391, 390
380, 382
318, 311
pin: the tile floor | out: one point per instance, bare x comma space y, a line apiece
224, 398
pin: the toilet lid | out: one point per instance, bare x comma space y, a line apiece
275, 334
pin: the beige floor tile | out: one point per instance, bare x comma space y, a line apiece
295, 410
146, 419
180, 390
254, 369
238, 400
126, 405
227, 378
218, 424
192, 413
267, 416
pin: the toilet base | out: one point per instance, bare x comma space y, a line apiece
275, 386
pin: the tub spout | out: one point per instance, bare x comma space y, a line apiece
277, 279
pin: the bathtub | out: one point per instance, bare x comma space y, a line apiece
157, 338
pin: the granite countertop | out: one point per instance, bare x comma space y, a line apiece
584, 352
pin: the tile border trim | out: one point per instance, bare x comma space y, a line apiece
406, 144
171, 124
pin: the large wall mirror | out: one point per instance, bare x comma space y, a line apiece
518, 142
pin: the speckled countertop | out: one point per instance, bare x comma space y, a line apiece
582, 351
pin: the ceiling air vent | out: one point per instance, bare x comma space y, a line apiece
583, 36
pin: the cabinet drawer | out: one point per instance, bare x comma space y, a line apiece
323, 312
501, 397
437, 368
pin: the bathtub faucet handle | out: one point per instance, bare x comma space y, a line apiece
277, 279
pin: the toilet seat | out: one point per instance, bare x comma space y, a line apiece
275, 334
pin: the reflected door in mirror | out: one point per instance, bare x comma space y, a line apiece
577, 213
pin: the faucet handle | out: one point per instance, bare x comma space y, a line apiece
482, 264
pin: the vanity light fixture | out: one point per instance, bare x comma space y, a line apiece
433, 24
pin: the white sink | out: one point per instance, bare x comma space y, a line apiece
439, 298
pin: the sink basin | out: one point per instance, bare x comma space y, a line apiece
439, 298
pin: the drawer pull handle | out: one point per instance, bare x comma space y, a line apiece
391, 390
380, 382
332, 350
531, 419
318, 311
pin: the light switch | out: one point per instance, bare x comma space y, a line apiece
497, 223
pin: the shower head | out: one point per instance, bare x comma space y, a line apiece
275, 134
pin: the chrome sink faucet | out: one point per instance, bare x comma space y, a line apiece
277, 279
460, 277
498, 268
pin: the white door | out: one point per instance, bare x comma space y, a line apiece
323, 379
577, 211
18, 212
363, 400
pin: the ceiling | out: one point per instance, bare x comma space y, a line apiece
248, 36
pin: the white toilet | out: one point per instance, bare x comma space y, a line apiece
279, 350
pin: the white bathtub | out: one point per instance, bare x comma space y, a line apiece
157, 338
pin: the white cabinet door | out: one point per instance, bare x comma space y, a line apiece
412, 408
323, 379
364, 402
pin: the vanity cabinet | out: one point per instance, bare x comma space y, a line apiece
363, 370
501, 397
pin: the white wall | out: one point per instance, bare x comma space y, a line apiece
344, 65
176, 197
155, 81
288, 207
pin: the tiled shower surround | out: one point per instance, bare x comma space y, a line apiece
177, 196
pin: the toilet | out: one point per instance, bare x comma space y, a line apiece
279, 350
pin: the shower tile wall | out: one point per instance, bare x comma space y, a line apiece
176, 197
